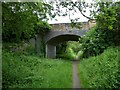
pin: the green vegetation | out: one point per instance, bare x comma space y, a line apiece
24, 71
96, 41
106, 33
108, 16
23, 20
68, 50
72, 50
102, 71
100, 47
60, 49
98, 50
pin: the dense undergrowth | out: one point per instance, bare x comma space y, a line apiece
102, 71
96, 41
23, 71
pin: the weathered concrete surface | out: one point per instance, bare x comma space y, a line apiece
55, 37
67, 26
50, 51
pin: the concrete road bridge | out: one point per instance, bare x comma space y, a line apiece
53, 38
61, 33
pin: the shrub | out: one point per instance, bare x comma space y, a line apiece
68, 50
22, 71
101, 71
96, 41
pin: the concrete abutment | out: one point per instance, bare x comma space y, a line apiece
50, 51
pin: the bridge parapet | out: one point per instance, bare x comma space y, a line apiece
67, 26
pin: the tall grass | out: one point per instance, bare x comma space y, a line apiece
102, 71
20, 71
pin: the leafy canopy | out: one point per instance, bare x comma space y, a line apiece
19, 19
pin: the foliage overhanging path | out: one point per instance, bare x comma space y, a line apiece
76, 82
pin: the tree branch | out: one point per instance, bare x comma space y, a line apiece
85, 15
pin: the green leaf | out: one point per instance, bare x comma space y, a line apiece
110, 27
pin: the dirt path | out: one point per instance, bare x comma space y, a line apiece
76, 83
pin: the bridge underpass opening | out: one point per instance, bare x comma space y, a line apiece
61, 49
52, 43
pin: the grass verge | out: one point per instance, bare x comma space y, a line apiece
102, 71
20, 71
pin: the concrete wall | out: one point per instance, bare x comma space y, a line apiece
32, 42
36, 44
50, 51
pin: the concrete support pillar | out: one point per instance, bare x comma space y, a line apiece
37, 44
50, 51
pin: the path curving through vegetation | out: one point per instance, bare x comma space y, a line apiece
76, 82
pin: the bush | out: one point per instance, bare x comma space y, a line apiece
79, 55
96, 41
71, 50
60, 50
101, 71
107, 30
69, 54
19, 48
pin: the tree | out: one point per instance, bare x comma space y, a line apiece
19, 19
106, 14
